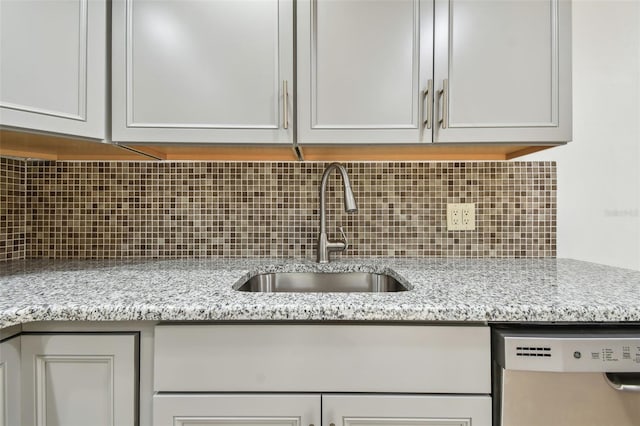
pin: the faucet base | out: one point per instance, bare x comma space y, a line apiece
325, 247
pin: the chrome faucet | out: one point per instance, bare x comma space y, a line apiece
325, 246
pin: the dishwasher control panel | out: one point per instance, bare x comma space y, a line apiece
613, 352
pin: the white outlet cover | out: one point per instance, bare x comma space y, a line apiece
461, 216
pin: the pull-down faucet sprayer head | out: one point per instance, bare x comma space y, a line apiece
350, 205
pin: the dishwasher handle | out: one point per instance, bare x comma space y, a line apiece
623, 382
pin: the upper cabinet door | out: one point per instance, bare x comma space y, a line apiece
53, 66
363, 70
202, 71
502, 71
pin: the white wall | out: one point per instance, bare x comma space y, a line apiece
599, 171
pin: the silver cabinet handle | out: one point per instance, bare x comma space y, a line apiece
623, 382
444, 121
285, 97
428, 95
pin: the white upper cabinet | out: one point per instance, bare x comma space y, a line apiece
203, 71
408, 71
53, 66
222, 71
502, 71
363, 68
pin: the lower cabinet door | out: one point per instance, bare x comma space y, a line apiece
79, 380
236, 410
405, 410
10, 382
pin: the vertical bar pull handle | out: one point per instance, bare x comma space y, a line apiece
444, 121
428, 95
285, 99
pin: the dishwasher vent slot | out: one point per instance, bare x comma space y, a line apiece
533, 351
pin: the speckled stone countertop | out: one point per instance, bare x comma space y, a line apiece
479, 290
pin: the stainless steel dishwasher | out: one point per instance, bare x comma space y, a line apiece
566, 376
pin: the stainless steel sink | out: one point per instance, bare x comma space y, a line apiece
322, 282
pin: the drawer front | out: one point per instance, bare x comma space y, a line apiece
322, 358
237, 410
406, 410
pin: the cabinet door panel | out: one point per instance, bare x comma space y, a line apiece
55, 73
236, 421
207, 51
10, 382
363, 66
405, 410
194, 70
53, 66
521, 60
237, 410
366, 59
74, 389
507, 64
79, 379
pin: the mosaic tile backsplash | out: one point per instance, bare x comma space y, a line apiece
270, 209
12, 209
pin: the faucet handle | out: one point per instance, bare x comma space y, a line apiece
344, 236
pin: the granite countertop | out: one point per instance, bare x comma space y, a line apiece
478, 290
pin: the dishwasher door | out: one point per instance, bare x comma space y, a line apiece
534, 398
585, 378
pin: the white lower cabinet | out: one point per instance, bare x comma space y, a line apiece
405, 410
239, 410
10, 382
325, 410
79, 379
322, 375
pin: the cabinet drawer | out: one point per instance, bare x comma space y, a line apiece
405, 410
316, 409
237, 410
322, 358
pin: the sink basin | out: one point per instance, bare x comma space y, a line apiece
322, 282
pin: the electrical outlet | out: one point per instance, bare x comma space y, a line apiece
454, 217
469, 216
461, 217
